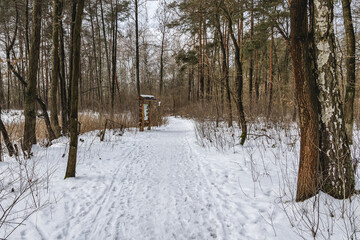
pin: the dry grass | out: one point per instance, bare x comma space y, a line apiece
88, 121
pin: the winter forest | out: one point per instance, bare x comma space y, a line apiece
187, 119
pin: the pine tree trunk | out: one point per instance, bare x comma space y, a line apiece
350, 70
71, 165
337, 172
30, 93
55, 69
305, 93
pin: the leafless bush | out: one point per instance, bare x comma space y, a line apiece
222, 137
21, 193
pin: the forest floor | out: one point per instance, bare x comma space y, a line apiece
161, 184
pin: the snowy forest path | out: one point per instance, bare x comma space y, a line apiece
158, 189
157, 185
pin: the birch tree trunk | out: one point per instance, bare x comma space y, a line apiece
337, 172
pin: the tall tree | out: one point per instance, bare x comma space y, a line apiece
55, 68
137, 57
305, 92
224, 64
350, 69
63, 96
239, 75
336, 167
251, 68
114, 48
271, 72
30, 93
71, 165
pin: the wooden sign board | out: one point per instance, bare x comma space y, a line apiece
145, 111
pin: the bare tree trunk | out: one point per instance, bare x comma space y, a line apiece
27, 41
251, 69
71, 165
115, 28
137, 48
107, 55
7, 141
200, 83
71, 49
55, 69
64, 102
257, 78
305, 92
336, 167
271, 73
239, 80
2, 97
5, 133
97, 72
225, 69
30, 94
161, 83
350, 70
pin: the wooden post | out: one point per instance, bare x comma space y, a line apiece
142, 122
149, 116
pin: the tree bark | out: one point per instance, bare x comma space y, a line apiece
115, 29
107, 55
63, 96
161, 83
271, 72
55, 69
71, 165
350, 70
336, 167
239, 80
225, 69
71, 49
30, 93
305, 93
137, 48
251, 68
2, 97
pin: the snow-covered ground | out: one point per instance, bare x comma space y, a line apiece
162, 184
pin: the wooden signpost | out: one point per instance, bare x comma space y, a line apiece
145, 111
